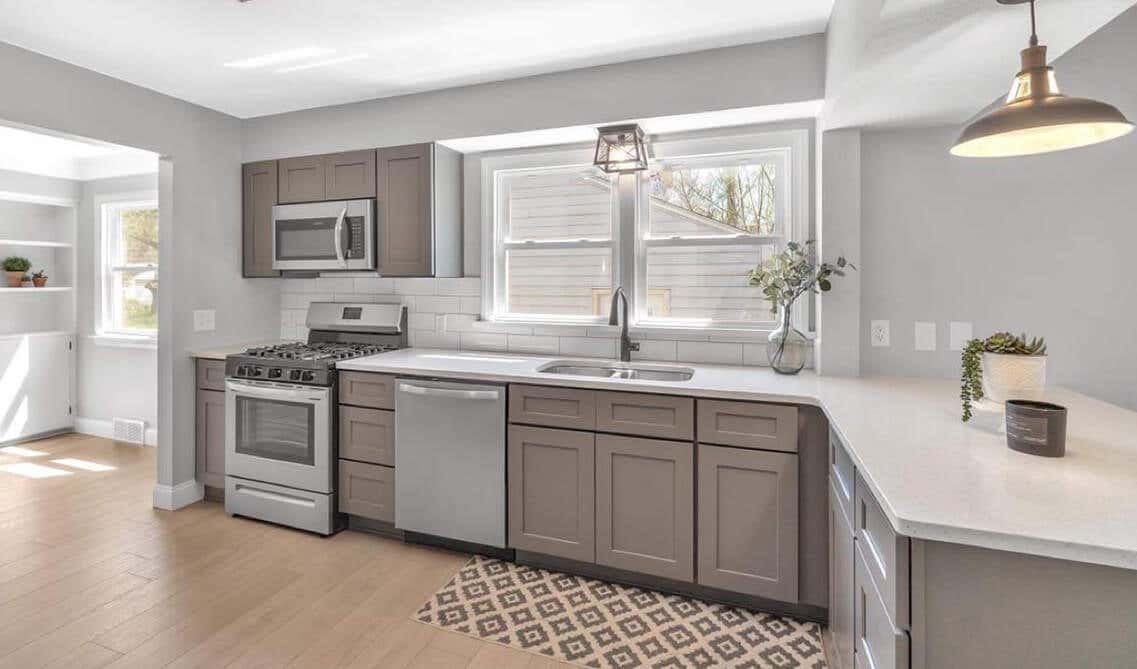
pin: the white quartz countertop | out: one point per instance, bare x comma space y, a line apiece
219, 352
936, 478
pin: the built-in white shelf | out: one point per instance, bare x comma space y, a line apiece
45, 289
32, 242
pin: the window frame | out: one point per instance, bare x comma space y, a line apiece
104, 328
629, 241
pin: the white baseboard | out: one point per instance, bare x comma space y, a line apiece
98, 427
172, 498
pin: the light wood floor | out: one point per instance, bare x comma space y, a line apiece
92, 576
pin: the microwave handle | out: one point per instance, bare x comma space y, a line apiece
338, 233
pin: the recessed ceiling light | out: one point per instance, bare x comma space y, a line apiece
322, 63
279, 57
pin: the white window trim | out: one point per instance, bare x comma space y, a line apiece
103, 336
794, 141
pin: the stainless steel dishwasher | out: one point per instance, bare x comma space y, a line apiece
450, 460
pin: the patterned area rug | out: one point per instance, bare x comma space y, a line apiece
596, 624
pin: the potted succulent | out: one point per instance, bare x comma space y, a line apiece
783, 278
14, 269
1002, 367
39, 279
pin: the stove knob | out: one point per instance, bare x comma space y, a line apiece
274, 373
294, 375
256, 371
308, 376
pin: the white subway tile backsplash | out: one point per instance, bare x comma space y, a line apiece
655, 350
483, 341
531, 344
444, 313
335, 285
709, 352
436, 304
588, 347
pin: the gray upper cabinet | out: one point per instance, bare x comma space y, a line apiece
258, 195
210, 419
349, 175
418, 207
645, 506
301, 179
748, 521
552, 492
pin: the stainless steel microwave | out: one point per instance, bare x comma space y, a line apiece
324, 236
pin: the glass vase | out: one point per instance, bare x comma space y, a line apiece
786, 347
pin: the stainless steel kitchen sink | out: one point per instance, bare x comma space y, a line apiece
608, 370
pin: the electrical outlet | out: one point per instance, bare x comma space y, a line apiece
925, 336
879, 333
204, 320
960, 334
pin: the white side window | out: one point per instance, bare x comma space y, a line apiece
128, 267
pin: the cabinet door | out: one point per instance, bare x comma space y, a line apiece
645, 506
748, 525
301, 179
404, 208
552, 492
880, 645
367, 435
210, 419
841, 587
349, 175
258, 195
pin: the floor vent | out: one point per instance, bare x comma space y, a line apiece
129, 430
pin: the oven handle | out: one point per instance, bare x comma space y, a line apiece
338, 233
257, 390
450, 392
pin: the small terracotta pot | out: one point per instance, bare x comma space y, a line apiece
39, 281
14, 279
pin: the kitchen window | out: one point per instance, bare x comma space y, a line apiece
128, 267
708, 209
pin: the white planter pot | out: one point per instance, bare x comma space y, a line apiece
1013, 377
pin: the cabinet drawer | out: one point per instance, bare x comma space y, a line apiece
367, 490
842, 563
554, 407
842, 475
211, 374
367, 435
879, 645
645, 415
364, 389
771, 427
885, 552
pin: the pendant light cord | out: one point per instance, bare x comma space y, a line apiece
1033, 29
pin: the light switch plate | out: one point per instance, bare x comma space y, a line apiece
959, 334
204, 320
879, 333
925, 336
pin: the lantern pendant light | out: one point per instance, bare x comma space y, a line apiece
620, 148
1036, 118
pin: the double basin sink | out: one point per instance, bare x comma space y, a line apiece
609, 370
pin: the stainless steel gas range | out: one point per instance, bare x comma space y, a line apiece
280, 426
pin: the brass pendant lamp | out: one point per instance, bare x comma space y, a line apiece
1036, 118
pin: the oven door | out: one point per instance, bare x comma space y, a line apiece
279, 433
324, 236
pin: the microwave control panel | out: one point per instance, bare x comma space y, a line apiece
355, 234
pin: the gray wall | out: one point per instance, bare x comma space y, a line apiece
113, 381
201, 235
1041, 244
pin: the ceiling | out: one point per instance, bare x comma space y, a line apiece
271, 56
34, 151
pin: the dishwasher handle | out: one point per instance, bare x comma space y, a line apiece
449, 393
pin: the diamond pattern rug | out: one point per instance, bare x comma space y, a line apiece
596, 624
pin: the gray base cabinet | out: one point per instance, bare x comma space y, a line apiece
552, 492
748, 521
645, 506
367, 490
367, 435
209, 423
